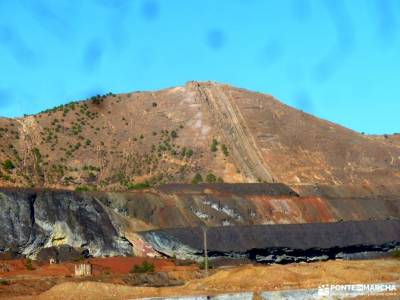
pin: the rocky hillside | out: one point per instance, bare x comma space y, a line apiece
167, 219
201, 132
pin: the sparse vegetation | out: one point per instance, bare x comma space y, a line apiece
5, 177
214, 145
28, 264
8, 165
224, 150
84, 188
145, 267
174, 135
210, 178
197, 179
138, 186
395, 254
189, 153
202, 265
4, 282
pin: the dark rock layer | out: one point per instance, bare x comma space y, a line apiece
31, 220
318, 239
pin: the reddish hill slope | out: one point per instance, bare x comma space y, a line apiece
217, 131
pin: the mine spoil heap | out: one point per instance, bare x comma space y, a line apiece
140, 173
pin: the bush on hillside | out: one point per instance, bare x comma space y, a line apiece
145, 267
211, 178
8, 165
197, 179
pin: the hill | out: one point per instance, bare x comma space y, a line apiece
202, 131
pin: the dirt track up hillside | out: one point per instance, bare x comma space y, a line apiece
233, 128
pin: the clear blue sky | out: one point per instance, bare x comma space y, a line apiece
339, 60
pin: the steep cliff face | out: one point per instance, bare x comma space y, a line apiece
32, 220
110, 142
111, 223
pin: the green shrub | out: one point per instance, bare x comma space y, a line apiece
37, 154
189, 153
214, 145
395, 254
197, 179
224, 150
4, 282
28, 264
174, 134
83, 188
202, 265
145, 267
183, 151
8, 165
211, 178
138, 186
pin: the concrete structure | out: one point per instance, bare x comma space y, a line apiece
83, 270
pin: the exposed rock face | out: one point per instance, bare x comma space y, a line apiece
111, 223
279, 243
167, 137
31, 220
224, 204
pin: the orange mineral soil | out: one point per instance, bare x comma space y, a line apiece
25, 285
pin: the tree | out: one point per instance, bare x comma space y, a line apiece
224, 150
211, 178
174, 134
183, 152
214, 144
8, 165
197, 179
189, 153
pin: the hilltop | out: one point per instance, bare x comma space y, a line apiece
200, 132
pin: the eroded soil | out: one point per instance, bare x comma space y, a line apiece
55, 282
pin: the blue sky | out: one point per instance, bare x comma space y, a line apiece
336, 59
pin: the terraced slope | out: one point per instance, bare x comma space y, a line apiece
112, 223
215, 131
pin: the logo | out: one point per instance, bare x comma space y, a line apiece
352, 290
324, 290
